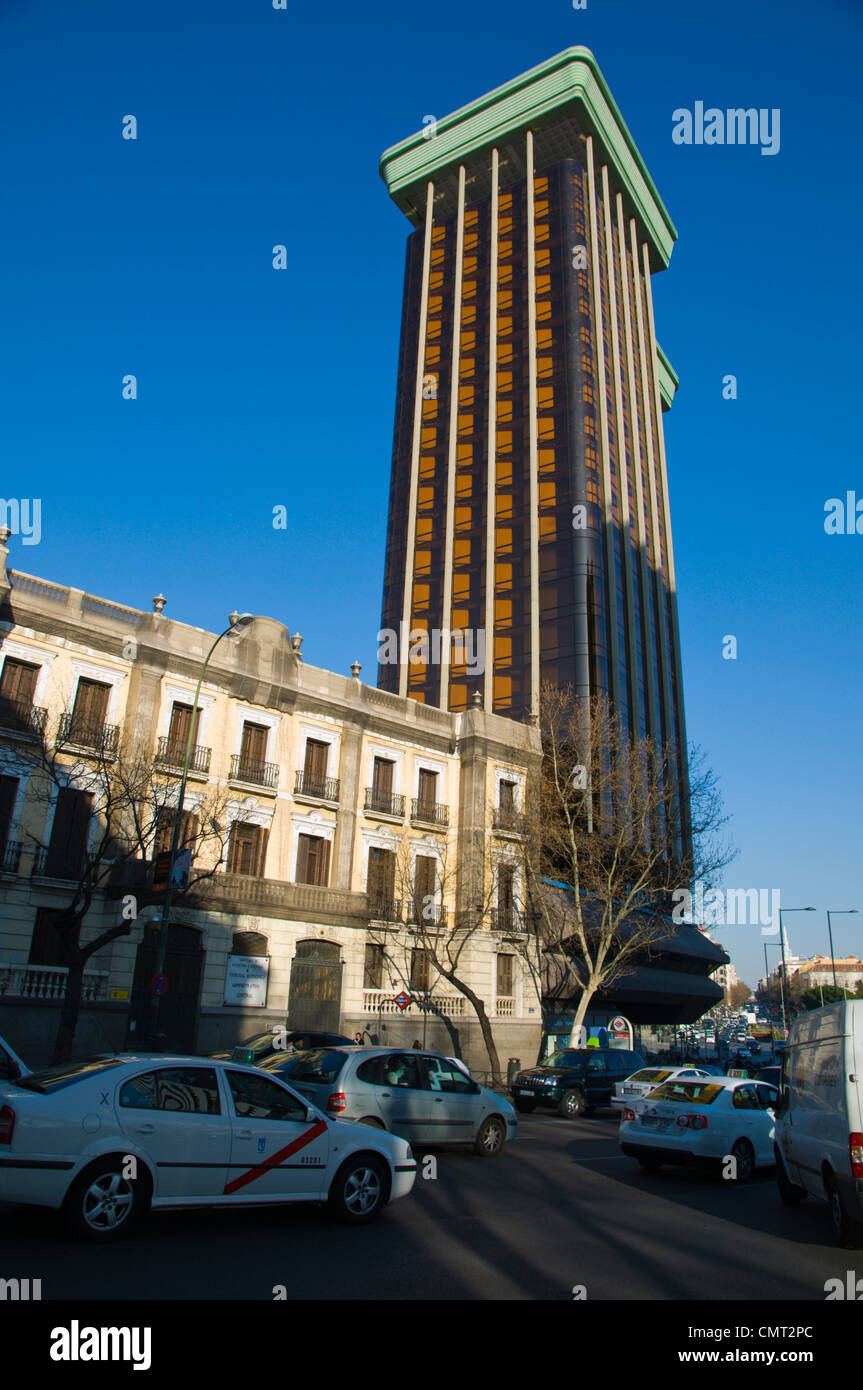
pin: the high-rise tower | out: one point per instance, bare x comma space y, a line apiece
529, 498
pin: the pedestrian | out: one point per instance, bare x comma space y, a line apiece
417, 1045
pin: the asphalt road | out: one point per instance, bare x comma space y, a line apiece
561, 1207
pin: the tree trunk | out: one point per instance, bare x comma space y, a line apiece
484, 1023
70, 1010
584, 1001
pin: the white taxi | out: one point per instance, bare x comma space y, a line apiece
703, 1123
106, 1139
642, 1082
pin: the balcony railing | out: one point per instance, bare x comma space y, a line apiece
504, 1006
507, 919
92, 734
11, 856
384, 803
49, 982
171, 753
322, 788
21, 718
46, 865
385, 909
252, 770
429, 811
382, 1002
509, 821
434, 915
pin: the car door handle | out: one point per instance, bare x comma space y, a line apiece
145, 1129
386, 1095
438, 1100
242, 1134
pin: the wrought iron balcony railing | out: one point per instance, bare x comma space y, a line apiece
324, 788
254, 771
507, 919
21, 718
171, 753
510, 821
384, 803
385, 909
426, 915
11, 856
91, 734
431, 812
50, 863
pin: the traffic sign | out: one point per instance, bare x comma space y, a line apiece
159, 984
403, 1000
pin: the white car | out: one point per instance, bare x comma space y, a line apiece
106, 1139
641, 1083
703, 1123
11, 1065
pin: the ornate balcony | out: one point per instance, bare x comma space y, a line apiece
316, 788
416, 915
508, 822
16, 716
49, 982
173, 754
254, 772
429, 812
384, 803
88, 735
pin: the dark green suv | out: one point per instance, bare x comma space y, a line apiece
574, 1082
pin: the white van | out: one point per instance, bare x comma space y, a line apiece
819, 1118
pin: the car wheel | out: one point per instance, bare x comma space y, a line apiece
491, 1137
848, 1235
359, 1189
789, 1192
372, 1121
744, 1157
525, 1107
571, 1104
650, 1165
102, 1205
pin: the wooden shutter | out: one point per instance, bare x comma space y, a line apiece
91, 703
313, 860
419, 969
382, 778
315, 768
424, 886
506, 793
247, 850
254, 745
18, 681
69, 832
427, 788
181, 718
505, 975
504, 893
47, 946
373, 966
8, 793
381, 878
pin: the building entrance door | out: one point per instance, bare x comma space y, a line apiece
178, 1009
315, 1000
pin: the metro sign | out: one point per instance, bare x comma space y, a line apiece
403, 1000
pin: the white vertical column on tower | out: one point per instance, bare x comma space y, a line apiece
449, 530
533, 461
491, 479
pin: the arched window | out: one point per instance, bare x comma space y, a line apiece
249, 943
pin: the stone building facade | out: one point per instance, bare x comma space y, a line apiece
359, 831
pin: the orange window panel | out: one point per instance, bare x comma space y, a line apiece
505, 352
502, 620
468, 342
543, 310
545, 427
504, 381
546, 461
428, 435
460, 617
543, 340
457, 696
422, 595
543, 256
466, 395
504, 324
547, 492
502, 648
502, 687
461, 588
464, 461
503, 412
461, 551
504, 300
422, 562
465, 424
427, 467
463, 517
504, 438
547, 527
436, 280
503, 576
470, 263
425, 497
425, 529
545, 394
504, 251
502, 538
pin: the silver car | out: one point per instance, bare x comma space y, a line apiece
420, 1096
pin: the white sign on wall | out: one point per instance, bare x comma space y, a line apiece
246, 981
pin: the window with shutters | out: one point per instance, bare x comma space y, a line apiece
178, 731
505, 896
17, 685
420, 969
253, 748
89, 712
189, 827
8, 795
505, 975
506, 794
425, 875
47, 946
247, 849
373, 967
427, 793
68, 844
381, 881
313, 860
380, 796
315, 767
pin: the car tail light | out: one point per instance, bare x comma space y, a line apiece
337, 1101
692, 1121
7, 1124
629, 1114
855, 1151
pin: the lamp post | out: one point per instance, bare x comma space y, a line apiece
837, 912
784, 967
767, 988
236, 622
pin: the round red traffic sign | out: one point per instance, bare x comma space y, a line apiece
159, 984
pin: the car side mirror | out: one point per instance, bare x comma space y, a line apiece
475, 1088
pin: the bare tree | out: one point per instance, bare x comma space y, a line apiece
607, 844
123, 800
442, 936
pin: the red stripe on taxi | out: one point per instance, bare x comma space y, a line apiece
273, 1162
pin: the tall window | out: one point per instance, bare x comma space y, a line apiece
505, 896
373, 967
382, 784
420, 969
253, 749
46, 945
425, 874
506, 794
427, 789
313, 860
8, 793
315, 767
89, 712
68, 844
381, 879
178, 731
505, 976
189, 827
247, 849
17, 687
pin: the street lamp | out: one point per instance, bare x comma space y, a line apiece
236, 622
837, 912
782, 944
767, 990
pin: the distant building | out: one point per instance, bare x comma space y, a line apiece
809, 974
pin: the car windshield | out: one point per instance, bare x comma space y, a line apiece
689, 1092
564, 1059
650, 1074
57, 1078
258, 1045
320, 1067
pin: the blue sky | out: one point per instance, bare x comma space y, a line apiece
257, 387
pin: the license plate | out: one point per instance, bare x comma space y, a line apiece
523, 1092
630, 1091
654, 1121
